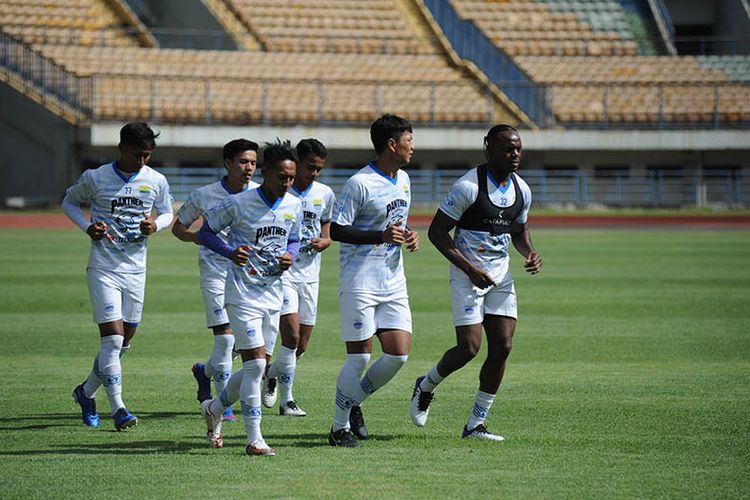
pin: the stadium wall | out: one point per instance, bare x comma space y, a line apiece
39, 151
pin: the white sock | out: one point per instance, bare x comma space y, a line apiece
221, 360
252, 372
482, 405
283, 369
378, 375
347, 385
431, 381
93, 382
229, 395
110, 371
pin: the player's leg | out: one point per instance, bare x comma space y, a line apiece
105, 290
305, 332
467, 307
283, 369
393, 323
499, 325
133, 288
260, 325
357, 329
291, 332
289, 303
308, 315
219, 364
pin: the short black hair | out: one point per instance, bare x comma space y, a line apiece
237, 146
138, 135
276, 152
387, 127
494, 131
314, 146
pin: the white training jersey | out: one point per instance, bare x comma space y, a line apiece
481, 248
121, 201
371, 201
212, 265
266, 228
317, 209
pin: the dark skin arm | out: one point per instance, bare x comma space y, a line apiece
519, 234
439, 235
183, 233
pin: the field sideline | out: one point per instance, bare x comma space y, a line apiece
630, 378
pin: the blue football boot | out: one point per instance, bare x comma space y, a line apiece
88, 407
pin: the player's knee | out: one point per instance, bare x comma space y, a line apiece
500, 349
468, 351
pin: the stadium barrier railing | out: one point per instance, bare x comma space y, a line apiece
562, 188
471, 44
43, 79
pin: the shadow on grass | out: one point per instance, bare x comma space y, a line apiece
128, 448
50, 420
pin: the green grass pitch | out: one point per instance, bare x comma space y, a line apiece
629, 378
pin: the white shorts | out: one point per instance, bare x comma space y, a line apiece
470, 304
362, 314
212, 291
301, 298
253, 326
116, 296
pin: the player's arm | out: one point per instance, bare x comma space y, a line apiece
411, 239
71, 205
163, 205
348, 234
187, 215
324, 240
519, 234
439, 235
183, 233
210, 239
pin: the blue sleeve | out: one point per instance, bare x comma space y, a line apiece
293, 248
210, 239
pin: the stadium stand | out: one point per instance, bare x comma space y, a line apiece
583, 53
360, 26
73, 22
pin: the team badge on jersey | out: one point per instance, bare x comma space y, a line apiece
288, 216
317, 202
144, 189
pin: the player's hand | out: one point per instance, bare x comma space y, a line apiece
148, 224
479, 278
320, 244
240, 255
533, 263
285, 261
97, 230
394, 233
412, 240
